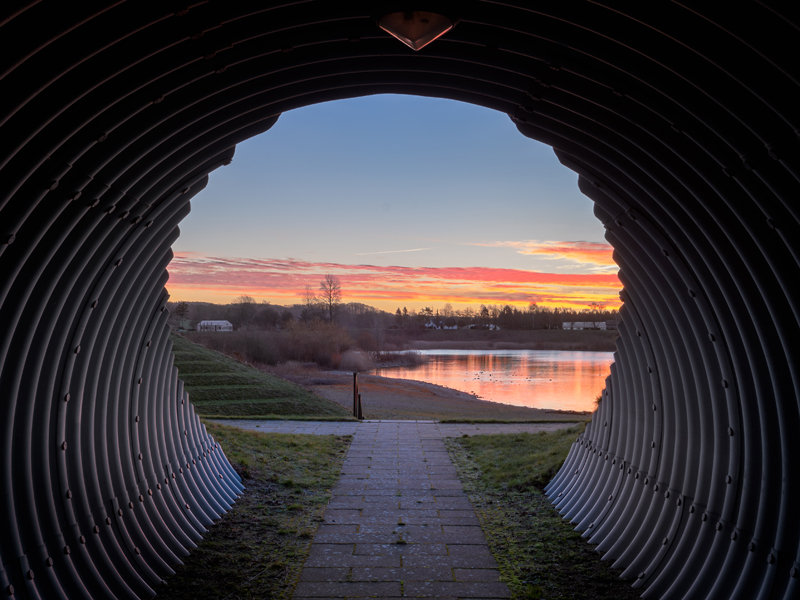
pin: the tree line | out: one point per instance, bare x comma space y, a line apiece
503, 317
325, 305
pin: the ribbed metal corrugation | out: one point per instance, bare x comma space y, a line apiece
682, 122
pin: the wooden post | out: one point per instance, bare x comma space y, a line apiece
355, 395
360, 412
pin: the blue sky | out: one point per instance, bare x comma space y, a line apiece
392, 180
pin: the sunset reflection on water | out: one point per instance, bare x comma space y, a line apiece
536, 378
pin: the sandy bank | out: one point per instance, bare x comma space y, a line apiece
389, 398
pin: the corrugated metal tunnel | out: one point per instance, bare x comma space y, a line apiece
682, 121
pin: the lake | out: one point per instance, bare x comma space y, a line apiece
535, 378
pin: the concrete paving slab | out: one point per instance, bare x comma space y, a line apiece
393, 524
398, 472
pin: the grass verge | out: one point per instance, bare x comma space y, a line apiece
257, 549
278, 418
539, 554
221, 387
566, 419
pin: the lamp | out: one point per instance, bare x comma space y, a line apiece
416, 29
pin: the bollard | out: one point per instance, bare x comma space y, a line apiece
355, 395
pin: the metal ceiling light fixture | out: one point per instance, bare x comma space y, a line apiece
416, 29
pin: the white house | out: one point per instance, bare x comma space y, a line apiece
583, 325
214, 326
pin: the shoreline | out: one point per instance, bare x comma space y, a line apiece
488, 345
475, 339
395, 398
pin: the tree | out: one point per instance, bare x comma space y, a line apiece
181, 310
506, 317
447, 311
494, 312
330, 290
312, 309
309, 299
244, 307
267, 317
596, 309
533, 308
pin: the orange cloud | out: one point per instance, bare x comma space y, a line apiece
595, 255
218, 279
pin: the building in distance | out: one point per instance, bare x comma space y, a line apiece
583, 325
214, 326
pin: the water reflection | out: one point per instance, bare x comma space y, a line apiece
536, 378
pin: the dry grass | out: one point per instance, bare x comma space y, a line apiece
356, 360
521, 461
539, 554
407, 358
317, 342
220, 386
258, 548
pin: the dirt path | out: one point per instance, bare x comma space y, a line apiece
389, 398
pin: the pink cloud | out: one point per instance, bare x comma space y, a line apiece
283, 280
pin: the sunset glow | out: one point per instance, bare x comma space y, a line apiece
474, 213
196, 277
595, 256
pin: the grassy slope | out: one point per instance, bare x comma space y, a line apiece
219, 386
540, 555
258, 548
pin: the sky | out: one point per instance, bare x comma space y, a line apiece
409, 201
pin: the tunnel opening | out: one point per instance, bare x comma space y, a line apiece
416, 204
681, 121
376, 197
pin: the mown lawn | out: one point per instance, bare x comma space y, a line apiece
258, 548
221, 387
540, 555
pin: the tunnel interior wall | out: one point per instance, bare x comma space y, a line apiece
681, 121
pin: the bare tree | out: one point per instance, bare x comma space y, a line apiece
309, 299
596, 309
312, 308
330, 290
244, 308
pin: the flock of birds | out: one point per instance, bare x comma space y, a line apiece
478, 378
495, 380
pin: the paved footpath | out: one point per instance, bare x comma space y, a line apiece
399, 524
